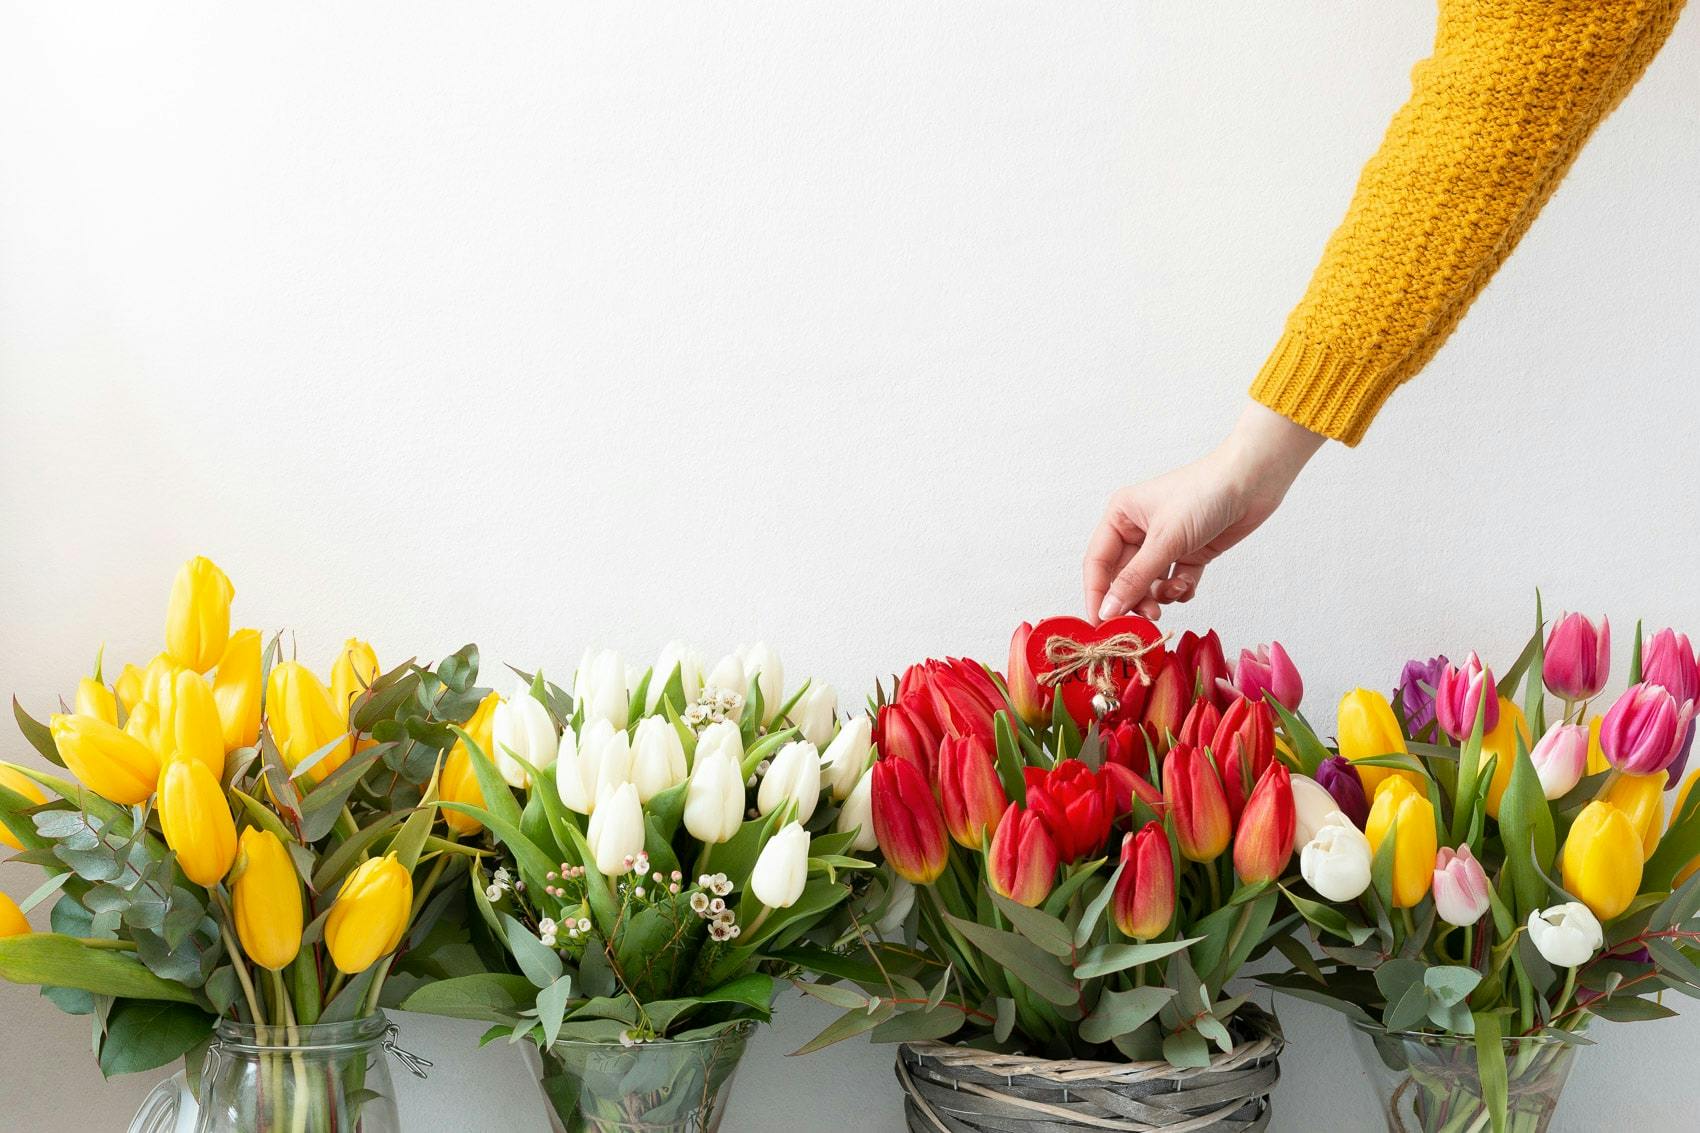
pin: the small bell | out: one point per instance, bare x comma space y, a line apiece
1103, 704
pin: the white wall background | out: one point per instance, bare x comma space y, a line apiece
829, 323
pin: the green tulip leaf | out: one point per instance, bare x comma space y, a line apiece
38, 734
498, 796
1490, 1066
64, 961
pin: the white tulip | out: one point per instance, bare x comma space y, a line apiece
1313, 807
848, 755
858, 813
722, 737
762, 667
675, 655
793, 777
897, 909
599, 687
1567, 935
615, 834
782, 867
658, 757
714, 802
521, 726
816, 713
728, 676
1336, 862
592, 765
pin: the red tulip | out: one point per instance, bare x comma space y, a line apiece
1125, 785
907, 823
1075, 805
1205, 666
954, 695
1022, 861
902, 732
1193, 792
1031, 699
1244, 745
1166, 707
1264, 839
969, 789
1199, 727
912, 690
1144, 900
1124, 745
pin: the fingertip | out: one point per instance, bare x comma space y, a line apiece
1108, 608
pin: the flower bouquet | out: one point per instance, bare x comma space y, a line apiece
1484, 877
666, 838
236, 853
1093, 839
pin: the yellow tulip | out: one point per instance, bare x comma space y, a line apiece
459, 782
1641, 798
189, 722
1502, 742
302, 719
356, 668
236, 690
16, 781
95, 699
146, 726
1693, 866
110, 762
265, 896
1601, 860
197, 620
12, 922
129, 687
195, 818
1416, 841
1366, 727
157, 677
1597, 761
370, 914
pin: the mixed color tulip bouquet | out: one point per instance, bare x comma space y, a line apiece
1484, 876
666, 837
1094, 839
230, 841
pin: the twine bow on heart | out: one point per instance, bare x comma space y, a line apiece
1093, 660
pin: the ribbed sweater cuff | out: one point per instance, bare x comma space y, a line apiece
1323, 388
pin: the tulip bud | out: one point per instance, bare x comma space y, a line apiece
1401, 813
1144, 901
302, 719
1367, 728
1194, 796
615, 834
195, 817
599, 688
816, 714
157, 678
658, 757
1166, 707
1417, 684
1244, 746
197, 620
1461, 693
762, 668
1205, 668
370, 914
1342, 780
95, 699
1567, 935
1337, 861
902, 732
1644, 731
596, 762
723, 737
1122, 786
1125, 746
964, 701
1577, 659
1030, 699
907, 822
353, 672
1263, 841
728, 676
144, 726
782, 867
1597, 761
128, 686
857, 814
1460, 887
12, 920
675, 656
969, 789
1021, 862
1198, 728
793, 777
20, 784
1560, 758
236, 690
458, 782
845, 761
1670, 663
1501, 744
1270, 671
1075, 804
1641, 798
265, 895
522, 727
714, 801
1313, 808
191, 719
1601, 860
110, 762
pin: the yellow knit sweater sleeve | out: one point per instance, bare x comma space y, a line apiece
1495, 118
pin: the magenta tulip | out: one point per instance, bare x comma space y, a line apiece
1269, 670
1645, 730
1577, 658
1463, 692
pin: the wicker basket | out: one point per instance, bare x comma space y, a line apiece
954, 1089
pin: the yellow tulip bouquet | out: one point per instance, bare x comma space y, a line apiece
666, 839
1485, 874
230, 843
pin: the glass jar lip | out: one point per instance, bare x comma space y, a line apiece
743, 1028
364, 1031
1438, 1038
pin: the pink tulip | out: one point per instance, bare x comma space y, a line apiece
1577, 658
1460, 887
1269, 670
1645, 730
1461, 693
1668, 661
1560, 758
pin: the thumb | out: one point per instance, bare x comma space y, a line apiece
1149, 563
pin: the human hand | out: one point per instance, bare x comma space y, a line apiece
1155, 538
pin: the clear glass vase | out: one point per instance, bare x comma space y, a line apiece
1431, 1083
665, 1086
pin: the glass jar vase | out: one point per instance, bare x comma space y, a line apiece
1430, 1083
664, 1086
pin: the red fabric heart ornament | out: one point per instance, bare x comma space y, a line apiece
1064, 642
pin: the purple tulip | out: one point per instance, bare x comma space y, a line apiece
1461, 693
1340, 779
1577, 658
1416, 701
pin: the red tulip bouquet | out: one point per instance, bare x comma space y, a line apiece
1093, 839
